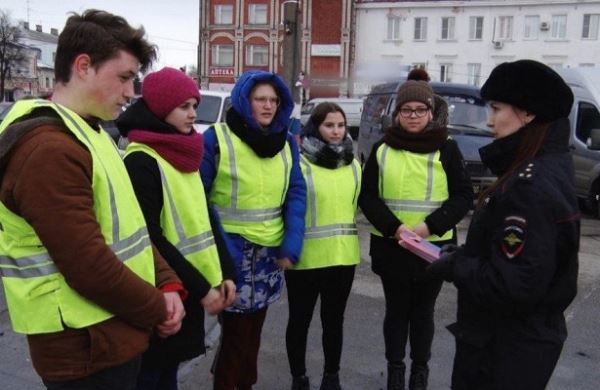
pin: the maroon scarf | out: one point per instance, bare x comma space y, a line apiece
183, 151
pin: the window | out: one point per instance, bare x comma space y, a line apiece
420, 29
223, 14
222, 55
473, 74
588, 118
448, 28
505, 27
559, 27
590, 26
257, 55
393, 28
531, 26
47, 82
257, 13
446, 73
476, 27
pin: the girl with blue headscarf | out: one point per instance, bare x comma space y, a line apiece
252, 176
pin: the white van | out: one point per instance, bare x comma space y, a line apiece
584, 141
352, 108
212, 108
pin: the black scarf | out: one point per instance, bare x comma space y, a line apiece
264, 144
426, 141
138, 116
327, 155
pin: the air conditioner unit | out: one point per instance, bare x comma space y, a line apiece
544, 26
498, 44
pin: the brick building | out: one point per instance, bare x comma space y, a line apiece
237, 35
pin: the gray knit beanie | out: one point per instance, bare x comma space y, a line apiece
415, 91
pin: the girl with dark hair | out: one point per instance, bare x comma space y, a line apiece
162, 160
517, 272
331, 246
415, 180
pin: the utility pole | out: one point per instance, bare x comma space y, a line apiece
291, 31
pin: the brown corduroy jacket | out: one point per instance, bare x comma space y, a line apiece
46, 178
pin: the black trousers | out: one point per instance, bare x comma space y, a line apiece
508, 360
333, 285
409, 306
122, 377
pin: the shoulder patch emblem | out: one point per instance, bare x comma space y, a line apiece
513, 236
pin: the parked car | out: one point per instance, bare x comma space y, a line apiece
352, 108
467, 124
584, 140
4, 109
212, 108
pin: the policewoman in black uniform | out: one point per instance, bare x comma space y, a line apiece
517, 271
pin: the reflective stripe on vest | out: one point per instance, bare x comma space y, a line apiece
38, 297
184, 217
331, 235
248, 191
412, 185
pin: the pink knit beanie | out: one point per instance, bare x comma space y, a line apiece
166, 89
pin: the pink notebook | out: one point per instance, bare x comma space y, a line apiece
419, 246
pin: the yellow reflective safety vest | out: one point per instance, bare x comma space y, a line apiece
331, 236
248, 191
184, 216
412, 185
38, 297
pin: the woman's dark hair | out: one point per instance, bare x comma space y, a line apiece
320, 112
101, 35
533, 138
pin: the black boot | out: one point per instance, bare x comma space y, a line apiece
330, 382
418, 377
300, 383
395, 379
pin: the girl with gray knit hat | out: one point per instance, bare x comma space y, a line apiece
414, 181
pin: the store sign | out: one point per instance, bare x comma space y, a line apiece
221, 71
326, 50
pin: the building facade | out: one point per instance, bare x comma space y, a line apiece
35, 75
462, 41
238, 35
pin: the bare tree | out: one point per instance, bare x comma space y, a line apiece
12, 54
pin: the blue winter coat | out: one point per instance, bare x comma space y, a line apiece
259, 279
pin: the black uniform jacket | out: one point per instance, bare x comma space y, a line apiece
389, 258
518, 269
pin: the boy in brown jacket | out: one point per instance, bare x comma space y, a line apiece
50, 177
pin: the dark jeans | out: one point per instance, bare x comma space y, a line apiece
333, 285
409, 306
122, 377
158, 378
235, 361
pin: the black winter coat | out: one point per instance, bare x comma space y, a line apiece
189, 341
388, 257
517, 272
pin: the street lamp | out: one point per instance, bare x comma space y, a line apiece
289, 22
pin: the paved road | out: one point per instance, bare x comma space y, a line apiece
363, 362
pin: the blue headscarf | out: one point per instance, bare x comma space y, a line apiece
240, 99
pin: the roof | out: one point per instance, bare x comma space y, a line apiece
39, 36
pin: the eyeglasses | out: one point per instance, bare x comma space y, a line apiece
419, 112
263, 100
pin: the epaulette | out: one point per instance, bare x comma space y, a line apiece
527, 173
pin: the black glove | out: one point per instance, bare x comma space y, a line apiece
448, 249
442, 268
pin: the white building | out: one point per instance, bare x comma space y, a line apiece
462, 41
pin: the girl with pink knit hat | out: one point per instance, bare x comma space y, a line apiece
162, 159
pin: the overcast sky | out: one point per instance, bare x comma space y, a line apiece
170, 24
